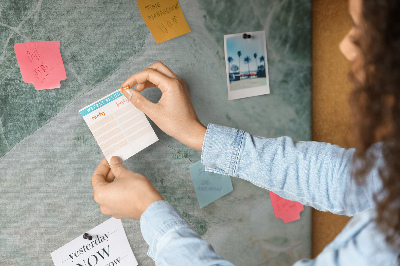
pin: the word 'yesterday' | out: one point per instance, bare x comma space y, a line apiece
89, 246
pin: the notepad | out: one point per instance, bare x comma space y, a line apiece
164, 18
41, 63
287, 210
118, 126
209, 186
108, 246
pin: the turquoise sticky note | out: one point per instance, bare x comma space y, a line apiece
209, 186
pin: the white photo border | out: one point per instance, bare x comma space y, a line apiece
247, 92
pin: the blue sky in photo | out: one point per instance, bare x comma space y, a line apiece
248, 47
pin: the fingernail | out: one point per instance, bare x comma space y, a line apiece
115, 160
129, 92
125, 88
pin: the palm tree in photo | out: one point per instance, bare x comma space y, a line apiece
247, 60
239, 54
262, 59
255, 58
230, 60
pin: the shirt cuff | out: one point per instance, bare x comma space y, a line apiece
158, 219
222, 148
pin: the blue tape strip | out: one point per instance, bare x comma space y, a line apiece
100, 103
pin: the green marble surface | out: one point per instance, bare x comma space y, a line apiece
47, 153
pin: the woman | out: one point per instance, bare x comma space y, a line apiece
317, 174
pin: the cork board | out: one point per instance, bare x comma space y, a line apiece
331, 89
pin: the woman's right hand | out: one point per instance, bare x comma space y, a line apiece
173, 113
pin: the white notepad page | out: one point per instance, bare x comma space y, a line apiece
118, 126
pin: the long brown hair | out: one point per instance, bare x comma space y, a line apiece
375, 103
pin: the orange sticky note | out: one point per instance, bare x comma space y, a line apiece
164, 18
41, 63
284, 209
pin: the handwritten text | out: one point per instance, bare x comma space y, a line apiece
100, 114
164, 11
121, 102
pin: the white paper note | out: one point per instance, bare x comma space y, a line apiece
118, 126
109, 246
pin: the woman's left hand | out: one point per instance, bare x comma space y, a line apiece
127, 197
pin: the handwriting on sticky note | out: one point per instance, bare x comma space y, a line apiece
41, 63
164, 18
284, 209
108, 246
209, 186
118, 126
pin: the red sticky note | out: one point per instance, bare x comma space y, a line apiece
284, 209
41, 63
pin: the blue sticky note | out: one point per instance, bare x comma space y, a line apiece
209, 186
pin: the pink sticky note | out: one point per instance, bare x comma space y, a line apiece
284, 209
41, 63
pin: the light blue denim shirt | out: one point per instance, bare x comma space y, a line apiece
312, 173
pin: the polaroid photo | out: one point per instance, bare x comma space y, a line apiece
246, 64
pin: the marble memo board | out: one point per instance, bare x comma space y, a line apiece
48, 154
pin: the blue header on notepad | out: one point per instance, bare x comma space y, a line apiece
100, 103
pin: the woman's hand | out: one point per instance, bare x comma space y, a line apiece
127, 197
174, 113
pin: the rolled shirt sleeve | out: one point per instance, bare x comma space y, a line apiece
172, 241
313, 173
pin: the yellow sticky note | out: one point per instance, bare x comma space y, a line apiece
164, 18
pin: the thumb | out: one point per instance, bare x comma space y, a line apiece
99, 176
117, 168
138, 100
